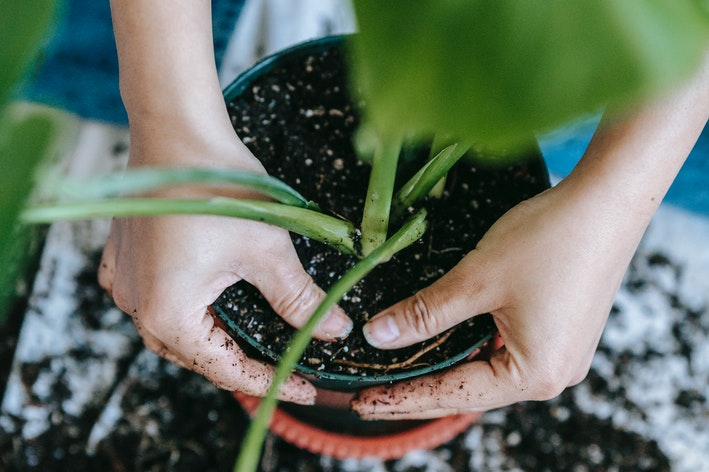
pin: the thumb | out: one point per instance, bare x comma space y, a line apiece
455, 297
294, 295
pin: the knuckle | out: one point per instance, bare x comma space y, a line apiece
546, 389
295, 305
580, 375
121, 299
155, 319
420, 316
156, 347
148, 323
578, 378
537, 380
548, 382
105, 278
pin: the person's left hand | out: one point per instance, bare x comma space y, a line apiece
165, 271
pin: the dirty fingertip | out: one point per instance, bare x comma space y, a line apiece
336, 324
366, 402
298, 390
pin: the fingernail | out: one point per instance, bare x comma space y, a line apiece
336, 324
380, 331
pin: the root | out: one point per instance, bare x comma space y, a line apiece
410, 362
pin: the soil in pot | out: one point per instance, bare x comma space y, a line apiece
299, 120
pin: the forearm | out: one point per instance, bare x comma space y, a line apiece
631, 162
168, 77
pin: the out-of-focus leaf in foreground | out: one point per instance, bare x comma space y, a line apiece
492, 71
24, 140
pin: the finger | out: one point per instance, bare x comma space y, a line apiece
455, 297
192, 340
208, 350
107, 266
155, 345
475, 386
293, 294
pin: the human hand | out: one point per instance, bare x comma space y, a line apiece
165, 271
548, 272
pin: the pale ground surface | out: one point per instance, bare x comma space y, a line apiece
645, 405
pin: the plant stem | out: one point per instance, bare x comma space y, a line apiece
438, 144
134, 181
375, 221
426, 179
315, 225
251, 448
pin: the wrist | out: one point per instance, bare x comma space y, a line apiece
184, 143
168, 77
632, 162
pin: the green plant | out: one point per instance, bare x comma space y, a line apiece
72, 200
97, 198
488, 73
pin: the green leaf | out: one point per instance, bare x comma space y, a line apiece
493, 71
134, 181
23, 142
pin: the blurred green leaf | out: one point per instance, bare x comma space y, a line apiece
139, 180
23, 24
24, 140
22, 145
492, 71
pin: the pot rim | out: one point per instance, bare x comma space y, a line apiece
243, 81
342, 381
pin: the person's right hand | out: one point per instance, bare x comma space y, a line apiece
165, 271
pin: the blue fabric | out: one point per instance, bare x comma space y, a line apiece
78, 69
690, 190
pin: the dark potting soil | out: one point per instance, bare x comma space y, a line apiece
299, 121
174, 420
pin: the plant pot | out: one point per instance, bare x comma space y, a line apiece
295, 112
319, 429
